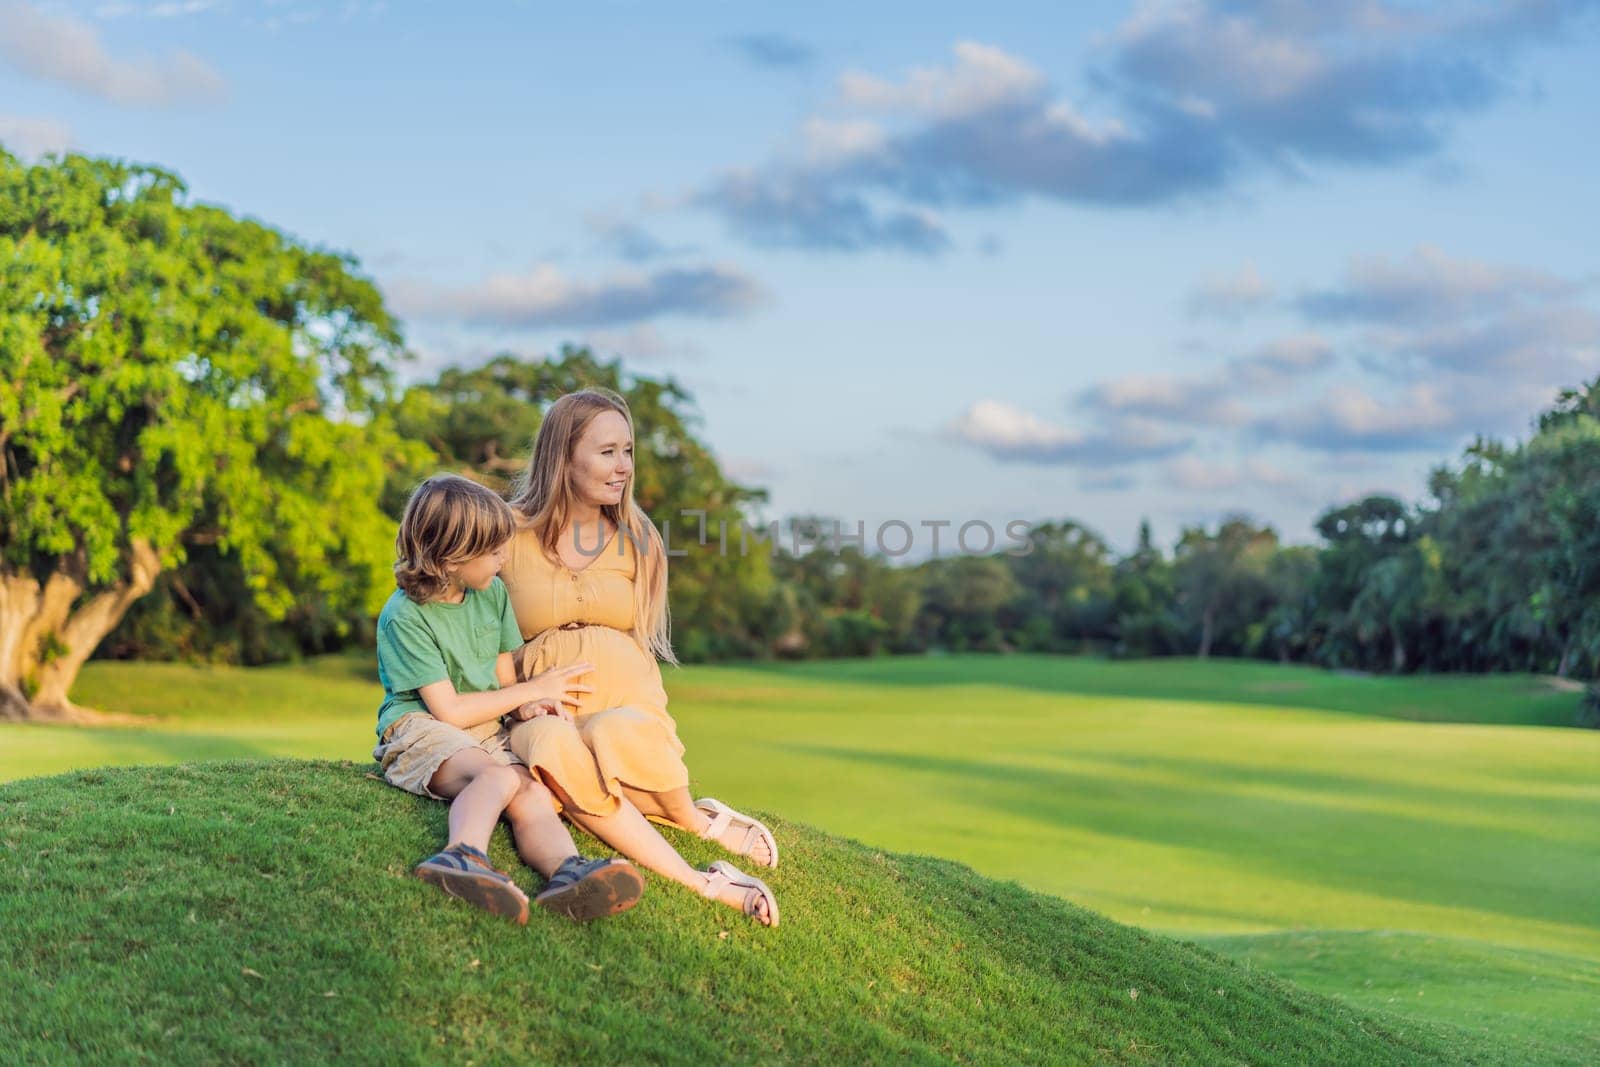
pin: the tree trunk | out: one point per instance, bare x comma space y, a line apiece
1566, 661
30, 615
1208, 624
1397, 661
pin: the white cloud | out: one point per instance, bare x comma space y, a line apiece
67, 51
1193, 474
643, 343
1231, 295
835, 142
168, 10
982, 78
31, 138
1348, 418
1009, 433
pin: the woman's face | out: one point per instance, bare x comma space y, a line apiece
602, 460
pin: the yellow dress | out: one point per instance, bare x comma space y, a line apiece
623, 734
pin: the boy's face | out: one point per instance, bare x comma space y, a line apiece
479, 571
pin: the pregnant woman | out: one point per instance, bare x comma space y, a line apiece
588, 582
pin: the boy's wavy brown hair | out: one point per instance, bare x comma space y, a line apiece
448, 521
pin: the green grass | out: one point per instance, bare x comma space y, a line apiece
263, 911
1373, 838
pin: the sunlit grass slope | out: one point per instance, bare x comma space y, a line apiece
1411, 844
263, 912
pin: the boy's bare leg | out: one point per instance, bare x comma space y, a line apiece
542, 838
677, 807
479, 789
631, 834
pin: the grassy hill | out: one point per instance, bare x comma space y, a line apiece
1420, 846
263, 912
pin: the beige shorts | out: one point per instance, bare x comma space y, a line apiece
415, 745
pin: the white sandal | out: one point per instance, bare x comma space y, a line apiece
723, 816
722, 874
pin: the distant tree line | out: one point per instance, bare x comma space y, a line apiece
1498, 570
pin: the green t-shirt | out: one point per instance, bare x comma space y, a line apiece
419, 644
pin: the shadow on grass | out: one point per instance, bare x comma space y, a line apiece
1288, 833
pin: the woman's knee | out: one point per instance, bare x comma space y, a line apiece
525, 734
614, 725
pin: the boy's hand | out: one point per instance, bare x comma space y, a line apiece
558, 687
536, 708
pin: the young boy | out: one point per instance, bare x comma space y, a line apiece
444, 644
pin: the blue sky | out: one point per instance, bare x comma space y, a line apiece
924, 261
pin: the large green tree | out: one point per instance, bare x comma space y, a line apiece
172, 376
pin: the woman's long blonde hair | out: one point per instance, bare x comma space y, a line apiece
544, 493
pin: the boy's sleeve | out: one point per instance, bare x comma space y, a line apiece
510, 632
410, 656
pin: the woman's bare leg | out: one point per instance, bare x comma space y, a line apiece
677, 807
630, 833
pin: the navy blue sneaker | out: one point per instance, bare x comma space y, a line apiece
465, 873
590, 889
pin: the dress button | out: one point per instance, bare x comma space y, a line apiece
574, 577
580, 598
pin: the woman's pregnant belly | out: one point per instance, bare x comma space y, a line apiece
623, 676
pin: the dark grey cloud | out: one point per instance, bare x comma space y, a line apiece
1192, 401
798, 210
546, 297
1200, 97
1441, 348
1423, 417
1558, 343
1453, 347
773, 50
1215, 398
1280, 362
634, 243
1429, 285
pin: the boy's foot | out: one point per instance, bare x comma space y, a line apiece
464, 872
589, 889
